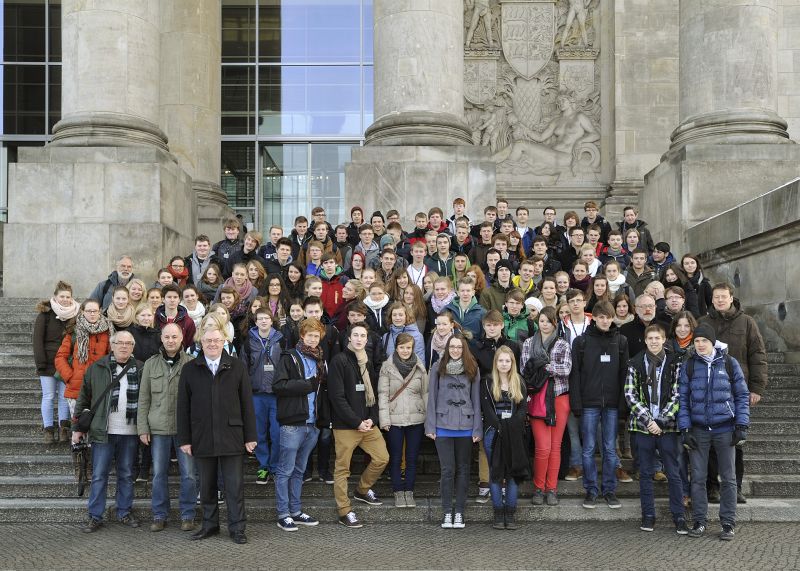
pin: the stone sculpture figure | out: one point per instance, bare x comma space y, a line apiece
572, 147
578, 10
480, 10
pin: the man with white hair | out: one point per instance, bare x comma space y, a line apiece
111, 390
104, 291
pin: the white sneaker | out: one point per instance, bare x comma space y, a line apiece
458, 522
447, 522
483, 496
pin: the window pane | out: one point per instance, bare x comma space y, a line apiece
369, 84
238, 173
284, 184
327, 179
311, 100
238, 31
23, 30
238, 99
55, 30
55, 97
367, 32
23, 100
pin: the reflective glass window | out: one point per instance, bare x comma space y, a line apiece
54, 6
54, 94
238, 99
238, 31
23, 99
24, 31
238, 173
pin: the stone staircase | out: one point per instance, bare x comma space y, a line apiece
37, 481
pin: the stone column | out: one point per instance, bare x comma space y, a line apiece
729, 73
190, 101
419, 73
110, 74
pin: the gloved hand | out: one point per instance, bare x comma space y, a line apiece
688, 440
739, 435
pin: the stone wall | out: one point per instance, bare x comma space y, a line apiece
755, 246
789, 64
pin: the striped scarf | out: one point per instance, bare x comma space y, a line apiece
132, 373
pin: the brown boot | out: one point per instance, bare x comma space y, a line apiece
49, 435
64, 433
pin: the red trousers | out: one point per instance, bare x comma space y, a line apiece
547, 459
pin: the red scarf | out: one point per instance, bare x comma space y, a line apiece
179, 277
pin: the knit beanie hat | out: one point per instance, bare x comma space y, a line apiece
534, 303
706, 331
504, 264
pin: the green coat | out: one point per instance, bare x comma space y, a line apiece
158, 395
95, 381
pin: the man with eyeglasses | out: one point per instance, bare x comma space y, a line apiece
113, 432
216, 425
104, 291
676, 301
577, 236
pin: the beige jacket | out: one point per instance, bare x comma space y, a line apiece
409, 407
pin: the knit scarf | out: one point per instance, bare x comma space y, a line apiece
455, 367
619, 322
197, 313
582, 285
361, 357
684, 342
615, 253
84, 330
615, 284
404, 367
439, 304
243, 290
439, 342
133, 389
542, 348
65, 313
121, 318
180, 277
376, 305
314, 353
654, 362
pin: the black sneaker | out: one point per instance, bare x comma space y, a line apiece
350, 520
327, 478
590, 501
648, 523
308, 477
612, 501
220, 497
727, 532
368, 498
305, 519
698, 530
713, 496
287, 524
92, 525
680, 527
740, 498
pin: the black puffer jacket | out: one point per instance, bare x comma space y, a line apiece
348, 406
48, 332
599, 369
148, 341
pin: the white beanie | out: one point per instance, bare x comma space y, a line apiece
534, 303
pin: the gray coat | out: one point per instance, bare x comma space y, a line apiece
454, 403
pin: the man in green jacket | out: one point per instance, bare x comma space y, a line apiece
112, 433
158, 428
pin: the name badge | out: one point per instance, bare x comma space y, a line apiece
605, 358
360, 388
505, 415
268, 368
225, 255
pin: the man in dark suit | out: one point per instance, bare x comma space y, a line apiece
216, 424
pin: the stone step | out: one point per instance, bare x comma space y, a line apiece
773, 485
22, 382
784, 445
16, 348
777, 427
773, 410
61, 510
782, 382
778, 396
769, 464
11, 301
16, 337
776, 358
10, 327
14, 360
792, 369
26, 396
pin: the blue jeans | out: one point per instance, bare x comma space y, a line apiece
575, 450
160, 446
669, 446
412, 435
297, 442
50, 388
589, 420
496, 487
726, 458
268, 430
123, 449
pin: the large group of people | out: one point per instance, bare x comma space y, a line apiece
498, 335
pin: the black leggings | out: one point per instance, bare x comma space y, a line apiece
454, 458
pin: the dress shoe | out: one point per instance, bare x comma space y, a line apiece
205, 533
239, 537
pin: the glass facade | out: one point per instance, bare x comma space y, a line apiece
296, 95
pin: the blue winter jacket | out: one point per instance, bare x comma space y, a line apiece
709, 399
469, 320
261, 358
390, 339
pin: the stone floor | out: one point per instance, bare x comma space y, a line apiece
554, 545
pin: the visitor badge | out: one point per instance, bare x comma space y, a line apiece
225, 255
360, 388
605, 358
268, 368
505, 415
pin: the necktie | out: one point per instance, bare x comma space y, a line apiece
213, 369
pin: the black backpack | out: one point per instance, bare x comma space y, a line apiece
728, 368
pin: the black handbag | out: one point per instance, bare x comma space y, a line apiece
87, 415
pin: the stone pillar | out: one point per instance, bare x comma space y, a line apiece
190, 101
419, 152
731, 145
110, 74
107, 185
729, 73
419, 74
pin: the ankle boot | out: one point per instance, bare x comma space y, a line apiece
64, 434
49, 435
499, 519
510, 513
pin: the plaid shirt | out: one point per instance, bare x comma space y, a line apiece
639, 400
559, 366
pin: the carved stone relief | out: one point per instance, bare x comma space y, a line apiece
532, 87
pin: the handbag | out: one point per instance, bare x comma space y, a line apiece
86, 416
404, 387
537, 406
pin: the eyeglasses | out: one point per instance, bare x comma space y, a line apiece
91, 311
123, 343
648, 306
212, 341
177, 266
674, 298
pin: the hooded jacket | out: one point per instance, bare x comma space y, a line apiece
454, 403
390, 339
260, 357
409, 407
48, 332
469, 319
744, 342
348, 406
494, 296
483, 350
645, 238
104, 291
158, 395
71, 369
181, 319
639, 283
224, 251
710, 399
292, 388
332, 290
518, 327
599, 370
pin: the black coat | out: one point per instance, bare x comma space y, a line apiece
593, 382
292, 389
348, 406
510, 447
48, 333
483, 350
215, 414
633, 331
148, 341
224, 251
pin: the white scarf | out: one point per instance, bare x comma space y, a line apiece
198, 313
614, 285
65, 313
